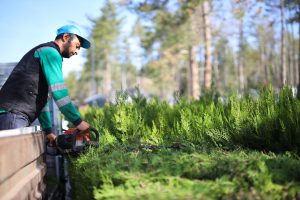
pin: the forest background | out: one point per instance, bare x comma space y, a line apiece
189, 47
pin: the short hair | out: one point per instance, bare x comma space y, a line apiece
72, 36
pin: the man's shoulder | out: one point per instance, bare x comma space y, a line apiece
47, 49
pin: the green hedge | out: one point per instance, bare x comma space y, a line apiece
237, 148
126, 173
269, 123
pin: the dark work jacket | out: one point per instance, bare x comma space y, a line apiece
26, 90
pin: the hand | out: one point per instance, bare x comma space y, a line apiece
51, 137
83, 126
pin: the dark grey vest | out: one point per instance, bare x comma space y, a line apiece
26, 90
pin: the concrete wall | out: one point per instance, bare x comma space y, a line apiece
22, 164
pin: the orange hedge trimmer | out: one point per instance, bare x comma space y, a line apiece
74, 142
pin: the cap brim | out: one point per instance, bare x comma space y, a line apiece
84, 43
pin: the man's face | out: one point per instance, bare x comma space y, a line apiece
71, 46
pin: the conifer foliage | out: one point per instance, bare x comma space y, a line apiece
240, 147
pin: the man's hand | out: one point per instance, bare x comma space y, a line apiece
51, 137
83, 126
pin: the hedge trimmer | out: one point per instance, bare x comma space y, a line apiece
74, 142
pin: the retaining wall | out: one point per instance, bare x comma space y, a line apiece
22, 164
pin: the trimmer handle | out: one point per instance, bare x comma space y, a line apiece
94, 142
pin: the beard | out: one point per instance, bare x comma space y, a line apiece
66, 47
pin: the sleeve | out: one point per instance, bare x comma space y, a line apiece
45, 120
51, 63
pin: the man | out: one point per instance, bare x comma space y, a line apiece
24, 96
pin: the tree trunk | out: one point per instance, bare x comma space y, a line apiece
263, 55
292, 56
298, 61
123, 77
289, 76
241, 57
93, 88
162, 85
201, 69
225, 70
177, 77
283, 45
107, 78
193, 74
207, 40
298, 47
265, 66
216, 72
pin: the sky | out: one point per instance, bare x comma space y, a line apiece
25, 24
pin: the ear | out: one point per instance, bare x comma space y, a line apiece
65, 37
